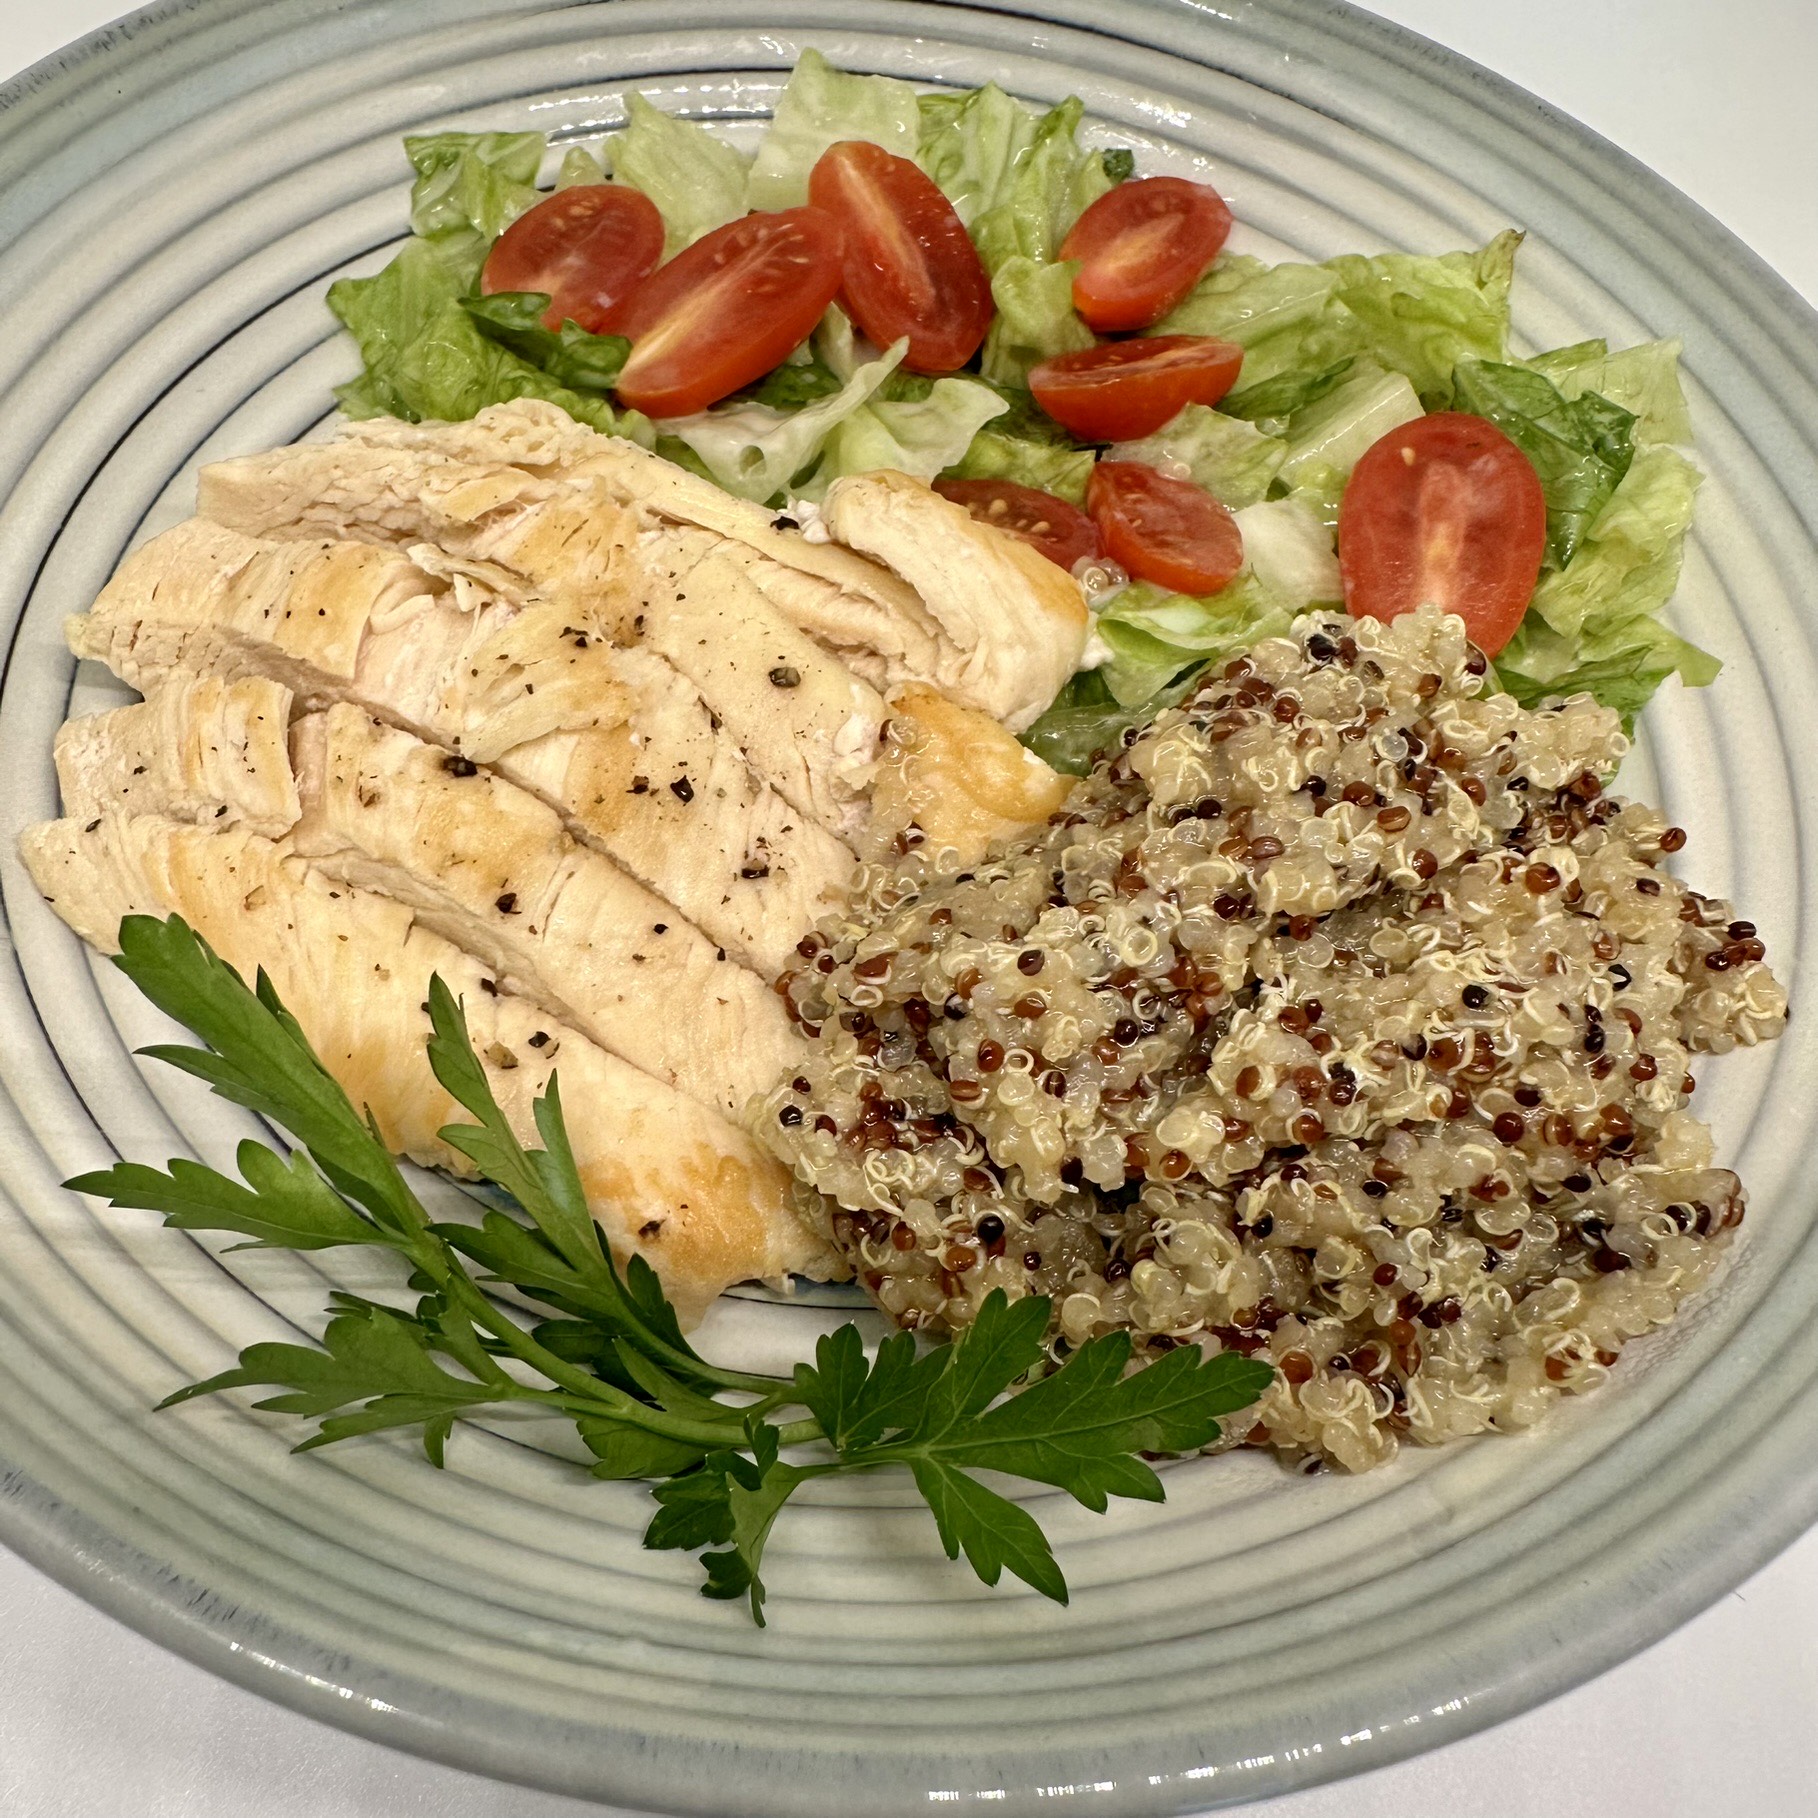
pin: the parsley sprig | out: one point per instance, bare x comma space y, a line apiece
610, 1356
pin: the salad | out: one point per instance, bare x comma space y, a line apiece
954, 286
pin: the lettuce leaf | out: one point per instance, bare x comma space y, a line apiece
758, 452
1233, 460
1273, 312
1035, 319
1421, 316
1643, 379
582, 361
971, 145
1580, 447
916, 436
1049, 185
1289, 551
1277, 399
697, 181
819, 107
1333, 434
1153, 634
1593, 624
472, 182
579, 166
1049, 466
425, 355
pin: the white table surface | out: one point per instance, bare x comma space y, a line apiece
1719, 1720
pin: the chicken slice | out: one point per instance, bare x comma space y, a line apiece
552, 703
672, 799
200, 749
807, 723
913, 590
956, 777
569, 542
665, 1178
489, 866
1012, 625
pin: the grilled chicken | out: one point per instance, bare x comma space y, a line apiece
665, 1177
568, 543
1011, 625
959, 779
912, 590
614, 739
808, 724
208, 750
486, 864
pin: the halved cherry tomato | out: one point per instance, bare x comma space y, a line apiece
724, 311
911, 268
1447, 509
1124, 389
1167, 531
1061, 532
1142, 247
587, 249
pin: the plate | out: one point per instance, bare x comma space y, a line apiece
175, 193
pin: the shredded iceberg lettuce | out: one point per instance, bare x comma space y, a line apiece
697, 182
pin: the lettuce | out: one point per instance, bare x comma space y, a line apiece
1421, 316
1289, 551
971, 145
426, 357
1153, 634
472, 183
1035, 319
1580, 447
1085, 719
1272, 312
1333, 434
918, 437
1643, 380
819, 107
1231, 459
573, 357
1055, 467
1277, 399
1592, 625
697, 182
1412, 315
758, 452
1050, 184
579, 166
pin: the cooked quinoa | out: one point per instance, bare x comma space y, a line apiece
1339, 1018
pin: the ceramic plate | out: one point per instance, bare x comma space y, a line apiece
175, 194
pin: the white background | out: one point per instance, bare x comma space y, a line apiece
1719, 1721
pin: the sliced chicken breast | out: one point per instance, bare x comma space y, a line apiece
1012, 626
673, 800
569, 542
203, 750
614, 739
489, 866
665, 1178
807, 723
911, 589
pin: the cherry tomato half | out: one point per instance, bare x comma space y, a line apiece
1061, 532
587, 249
1447, 509
1142, 247
728, 308
1124, 389
911, 268
1167, 531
